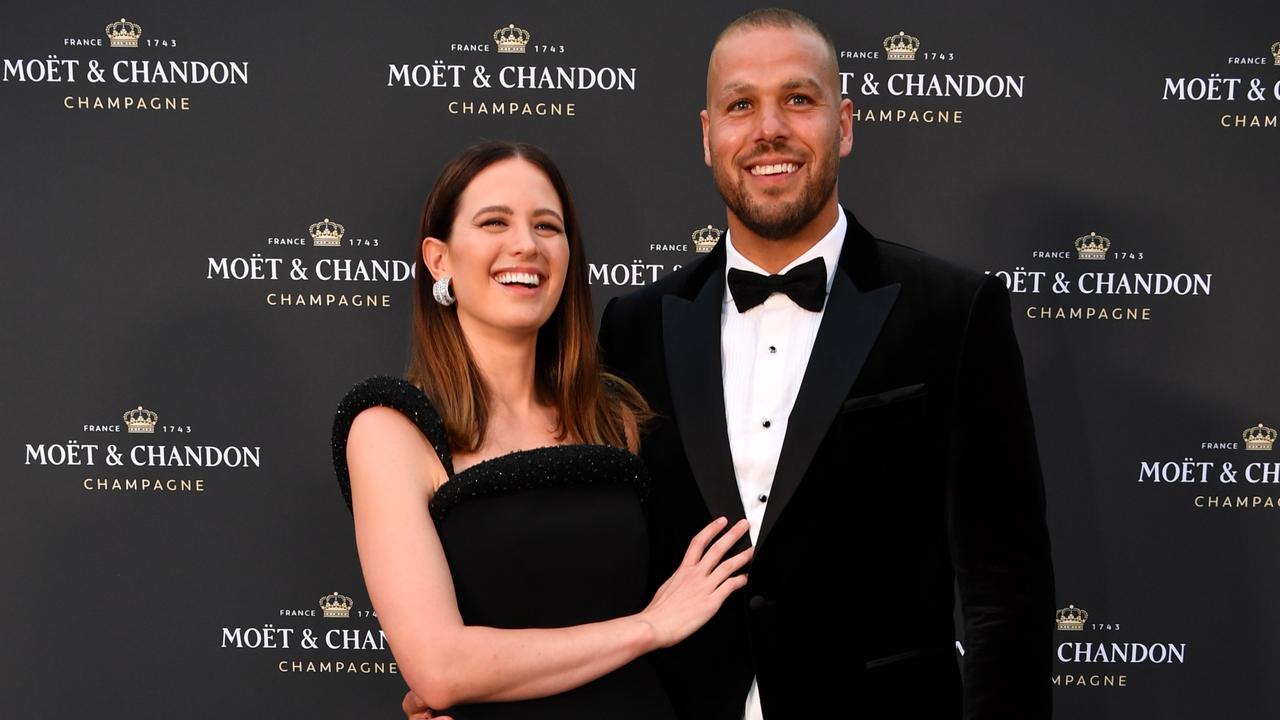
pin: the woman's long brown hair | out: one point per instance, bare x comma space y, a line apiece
592, 406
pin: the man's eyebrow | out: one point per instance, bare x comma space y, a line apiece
743, 86
734, 88
804, 82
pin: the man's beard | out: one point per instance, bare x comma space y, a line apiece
780, 220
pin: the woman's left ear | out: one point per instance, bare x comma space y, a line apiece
435, 254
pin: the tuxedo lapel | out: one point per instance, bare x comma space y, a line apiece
850, 324
691, 342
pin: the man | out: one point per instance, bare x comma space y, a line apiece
872, 425
875, 430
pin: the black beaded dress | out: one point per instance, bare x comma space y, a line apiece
541, 538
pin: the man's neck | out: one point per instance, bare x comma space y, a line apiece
771, 255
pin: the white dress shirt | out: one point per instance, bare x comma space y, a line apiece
763, 355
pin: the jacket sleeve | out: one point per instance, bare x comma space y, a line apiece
999, 538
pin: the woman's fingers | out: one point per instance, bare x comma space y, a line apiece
698, 545
700, 585
731, 566
725, 543
728, 586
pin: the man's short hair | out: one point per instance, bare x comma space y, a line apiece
777, 18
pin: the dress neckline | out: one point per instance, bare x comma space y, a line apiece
546, 466
514, 453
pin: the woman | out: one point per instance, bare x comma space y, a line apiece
496, 496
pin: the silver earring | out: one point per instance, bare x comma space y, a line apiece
440, 291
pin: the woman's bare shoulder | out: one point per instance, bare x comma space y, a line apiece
386, 447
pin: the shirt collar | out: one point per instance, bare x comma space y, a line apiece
828, 248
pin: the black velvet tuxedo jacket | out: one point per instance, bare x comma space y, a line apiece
909, 467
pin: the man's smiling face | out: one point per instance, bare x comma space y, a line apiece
775, 127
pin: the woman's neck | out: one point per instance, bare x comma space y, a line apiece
518, 418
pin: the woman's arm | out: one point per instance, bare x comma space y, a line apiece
393, 474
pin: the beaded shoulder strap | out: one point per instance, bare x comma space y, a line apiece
394, 393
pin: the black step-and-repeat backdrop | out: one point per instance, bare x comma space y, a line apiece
210, 211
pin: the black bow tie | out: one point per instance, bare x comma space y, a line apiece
805, 284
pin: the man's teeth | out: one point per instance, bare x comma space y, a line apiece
774, 169
518, 278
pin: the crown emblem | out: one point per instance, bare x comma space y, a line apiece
1071, 618
1092, 247
326, 233
901, 46
1259, 438
336, 606
706, 238
1275, 52
123, 33
511, 39
141, 420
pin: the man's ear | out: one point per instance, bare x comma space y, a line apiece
706, 143
846, 127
